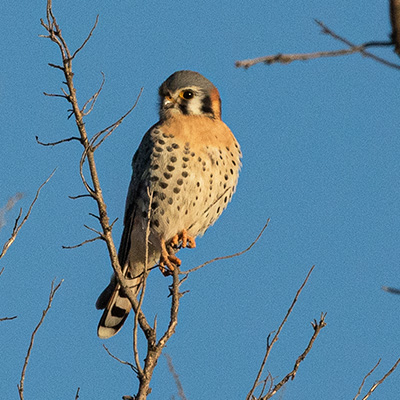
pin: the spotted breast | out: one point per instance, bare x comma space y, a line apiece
185, 172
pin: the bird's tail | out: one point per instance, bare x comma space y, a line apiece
116, 307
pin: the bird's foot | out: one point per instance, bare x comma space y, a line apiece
168, 260
184, 239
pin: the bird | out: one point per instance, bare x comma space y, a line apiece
184, 174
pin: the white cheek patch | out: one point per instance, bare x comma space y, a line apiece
194, 105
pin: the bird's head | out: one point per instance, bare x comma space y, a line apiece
189, 93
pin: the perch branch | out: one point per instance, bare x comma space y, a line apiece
143, 287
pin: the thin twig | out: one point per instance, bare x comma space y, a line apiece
53, 291
365, 378
134, 369
18, 225
87, 38
317, 326
55, 95
376, 384
365, 53
80, 196
174, 374
276, 336
94, 230
8, 318
83, 243
93, 99
110, 129
231, 255
77, 393
58, 142
288, 58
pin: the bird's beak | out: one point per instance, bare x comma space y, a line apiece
168, 102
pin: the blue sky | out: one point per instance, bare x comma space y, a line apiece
321, 159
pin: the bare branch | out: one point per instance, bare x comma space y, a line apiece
58, 142
134, 369
178, 383
365, 378
143, 288
55, 35
376, 384
317, 326
93, 99
276, 336
55, 95
83, 243
53, 65
18, 225
94, 230
288, 58
77, 393
53, 291
79, 196
87, 39
230, 256
8, 318
110, 129
154, 349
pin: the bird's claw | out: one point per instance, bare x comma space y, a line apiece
184, 239
168, 260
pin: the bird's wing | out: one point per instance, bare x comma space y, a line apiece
139, 181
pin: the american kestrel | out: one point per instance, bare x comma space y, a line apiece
187, 166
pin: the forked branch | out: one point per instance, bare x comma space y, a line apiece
317, 326
53, 291
276, 337
70, 94
380, 381
353, 48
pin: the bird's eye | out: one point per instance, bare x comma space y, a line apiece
186, 94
